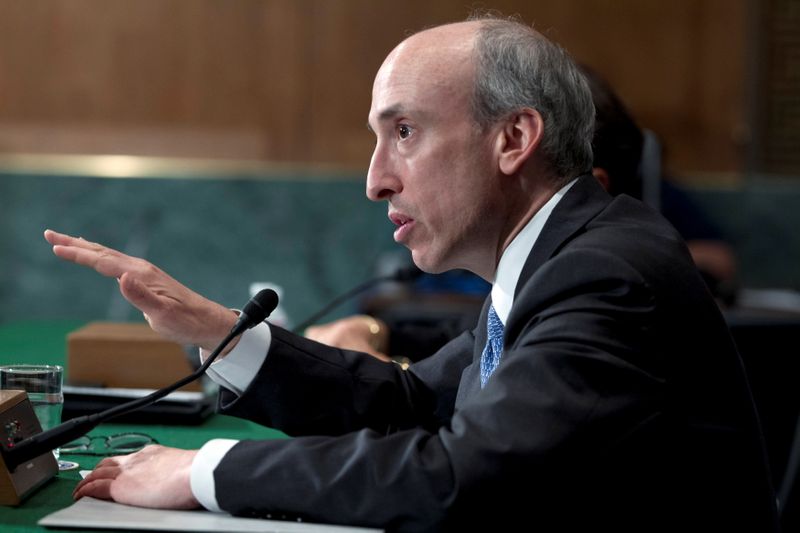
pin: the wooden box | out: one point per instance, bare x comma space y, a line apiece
128, 355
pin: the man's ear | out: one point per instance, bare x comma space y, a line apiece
517, 141
602, 176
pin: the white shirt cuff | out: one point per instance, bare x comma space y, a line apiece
202, 474
236, 370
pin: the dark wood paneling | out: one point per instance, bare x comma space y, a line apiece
290, 80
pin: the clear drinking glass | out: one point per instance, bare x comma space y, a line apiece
43, 383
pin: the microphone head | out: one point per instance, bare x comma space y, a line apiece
259, 307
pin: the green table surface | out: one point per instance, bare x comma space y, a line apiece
45, 342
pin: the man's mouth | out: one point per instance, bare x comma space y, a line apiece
403, 223
398, 219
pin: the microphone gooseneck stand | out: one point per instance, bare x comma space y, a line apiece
401, 274
254, 312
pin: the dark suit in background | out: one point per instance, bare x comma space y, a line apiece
619, 404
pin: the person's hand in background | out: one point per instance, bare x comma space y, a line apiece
359, 332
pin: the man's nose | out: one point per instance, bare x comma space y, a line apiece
383, 180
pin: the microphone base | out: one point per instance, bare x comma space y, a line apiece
17, 422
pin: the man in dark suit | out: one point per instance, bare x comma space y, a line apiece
600, 388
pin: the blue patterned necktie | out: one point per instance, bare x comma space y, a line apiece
494, 345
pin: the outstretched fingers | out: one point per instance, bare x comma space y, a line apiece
169, 307
104, 260
62, 239
54, 237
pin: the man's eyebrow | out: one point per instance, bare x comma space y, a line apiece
388, 113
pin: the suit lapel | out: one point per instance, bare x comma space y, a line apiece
581, 203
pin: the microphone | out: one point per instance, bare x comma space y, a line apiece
14, 454
402, 274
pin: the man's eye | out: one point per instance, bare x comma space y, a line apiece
403, 131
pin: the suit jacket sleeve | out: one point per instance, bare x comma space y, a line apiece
380, 438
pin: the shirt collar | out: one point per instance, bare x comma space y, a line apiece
513, 259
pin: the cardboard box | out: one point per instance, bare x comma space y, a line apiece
128, 355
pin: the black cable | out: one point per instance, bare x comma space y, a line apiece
401, 274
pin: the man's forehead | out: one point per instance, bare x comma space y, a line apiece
419, 99
421, 72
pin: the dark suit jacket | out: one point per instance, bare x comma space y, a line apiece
620, 404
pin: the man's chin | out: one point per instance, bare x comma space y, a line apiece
426, 264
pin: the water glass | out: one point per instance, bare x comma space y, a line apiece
43, 383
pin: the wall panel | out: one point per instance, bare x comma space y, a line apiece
290, 80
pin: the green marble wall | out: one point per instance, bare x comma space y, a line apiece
314, 237
762, 222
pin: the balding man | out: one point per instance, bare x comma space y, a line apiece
599, 390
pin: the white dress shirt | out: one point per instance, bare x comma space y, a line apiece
236, 370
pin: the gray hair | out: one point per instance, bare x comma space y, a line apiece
517, 67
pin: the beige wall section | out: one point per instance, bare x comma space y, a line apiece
290, 80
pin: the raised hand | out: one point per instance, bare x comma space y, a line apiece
170, 308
